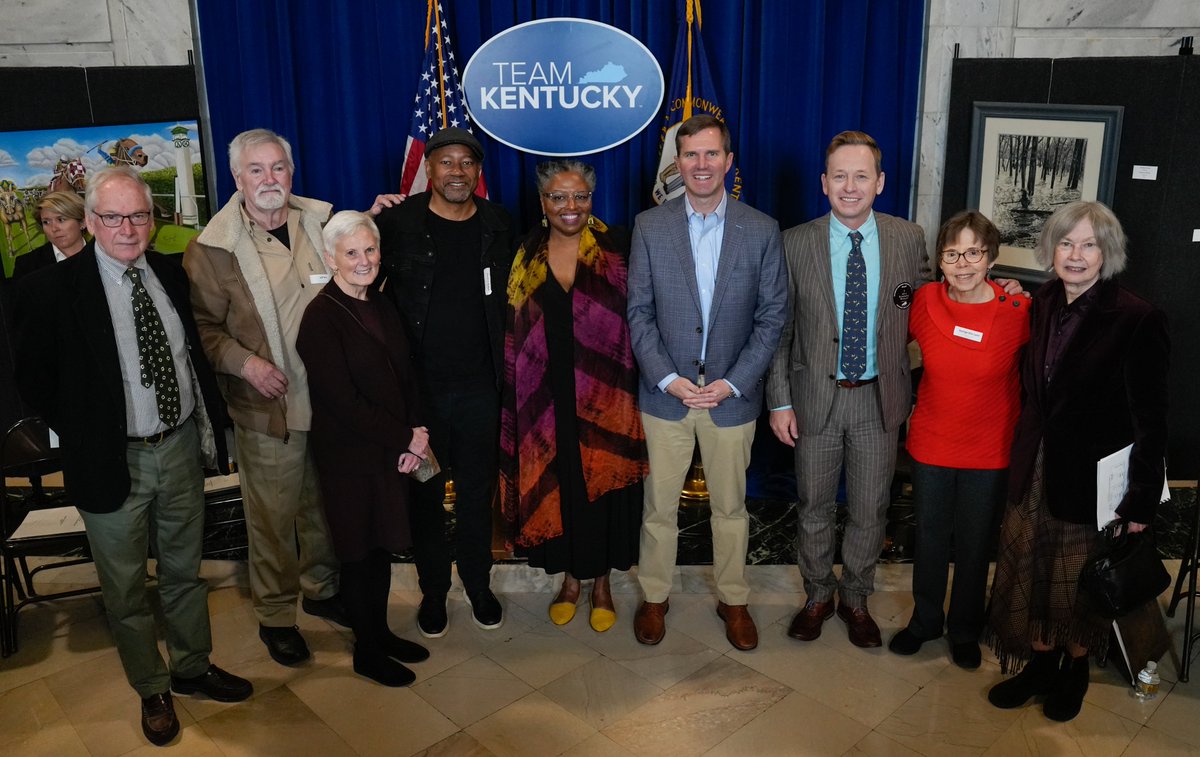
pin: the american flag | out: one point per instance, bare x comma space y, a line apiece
439, 102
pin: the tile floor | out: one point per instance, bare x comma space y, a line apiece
531, 688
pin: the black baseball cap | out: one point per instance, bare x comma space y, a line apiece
452, 135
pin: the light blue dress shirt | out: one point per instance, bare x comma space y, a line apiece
706, 232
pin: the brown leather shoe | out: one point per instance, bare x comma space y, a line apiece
650, 623
158, 719
806, 626
739, 626
860, 626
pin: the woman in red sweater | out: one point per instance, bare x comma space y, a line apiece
970, 334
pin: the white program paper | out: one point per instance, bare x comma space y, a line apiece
56, 520
1112, 481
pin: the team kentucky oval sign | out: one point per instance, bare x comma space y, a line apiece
563, 86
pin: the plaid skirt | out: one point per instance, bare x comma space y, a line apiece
1035, 592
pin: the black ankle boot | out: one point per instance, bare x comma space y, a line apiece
1037, 679
374, 664
1066, 698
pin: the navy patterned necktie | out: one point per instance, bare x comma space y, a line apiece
854, 313
154, 351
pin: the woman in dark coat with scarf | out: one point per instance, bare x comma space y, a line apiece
366, 437
1094, 381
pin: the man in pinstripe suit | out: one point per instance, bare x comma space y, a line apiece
835, 405
707, 301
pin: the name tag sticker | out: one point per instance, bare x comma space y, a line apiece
318, 278
487, 281
903, 295
966, 333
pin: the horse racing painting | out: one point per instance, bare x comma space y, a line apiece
167, 155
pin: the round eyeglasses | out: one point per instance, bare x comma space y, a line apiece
971, 254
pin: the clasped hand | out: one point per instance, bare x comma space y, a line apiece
703, 397
418, 449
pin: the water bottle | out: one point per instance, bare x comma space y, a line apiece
1147, 683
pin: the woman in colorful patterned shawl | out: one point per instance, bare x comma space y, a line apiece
572, 449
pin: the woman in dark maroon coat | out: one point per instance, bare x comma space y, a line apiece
1095, 381
365, 436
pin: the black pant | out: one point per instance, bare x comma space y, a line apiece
364, 589
959, 507
464, 434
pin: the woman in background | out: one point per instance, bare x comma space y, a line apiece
61, 217
572, 449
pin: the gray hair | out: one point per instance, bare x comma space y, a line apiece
1109, 235
343, 224
551, 168
257, 137
106, 175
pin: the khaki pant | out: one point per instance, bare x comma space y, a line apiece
282, 503
726, 455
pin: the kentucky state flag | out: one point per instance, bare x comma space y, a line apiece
691, 93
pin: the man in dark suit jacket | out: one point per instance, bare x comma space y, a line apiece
839, 386
131, 436
706, 305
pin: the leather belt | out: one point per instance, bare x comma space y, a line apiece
155, 439
846, 384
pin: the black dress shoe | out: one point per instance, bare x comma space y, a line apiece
215, 684
432, 620
485, 609
905, 642
330, 609
966, 654
158, 719
285, 644
374, 664
402, 649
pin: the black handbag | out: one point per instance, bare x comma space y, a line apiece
1125, 573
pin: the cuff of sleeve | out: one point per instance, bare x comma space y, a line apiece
782, 407
662, 385
234, 361
734, 389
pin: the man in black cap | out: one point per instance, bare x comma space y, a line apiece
446, 255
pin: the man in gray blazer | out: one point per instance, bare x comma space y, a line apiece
707, 300
839, 385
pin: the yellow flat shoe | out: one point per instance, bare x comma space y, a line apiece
602, 619
561, 613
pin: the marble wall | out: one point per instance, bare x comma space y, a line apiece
95, 33
1030, 29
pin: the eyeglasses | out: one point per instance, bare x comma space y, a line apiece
113, 220
559, 199
972, 255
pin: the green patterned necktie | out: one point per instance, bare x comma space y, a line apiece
154, 351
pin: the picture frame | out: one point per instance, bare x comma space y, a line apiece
1028, 159
167, 155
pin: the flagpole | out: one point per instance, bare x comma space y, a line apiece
687, 100
441, 61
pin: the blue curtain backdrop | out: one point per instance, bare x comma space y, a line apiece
337, 79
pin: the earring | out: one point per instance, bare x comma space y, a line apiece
545, 223
591, 221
